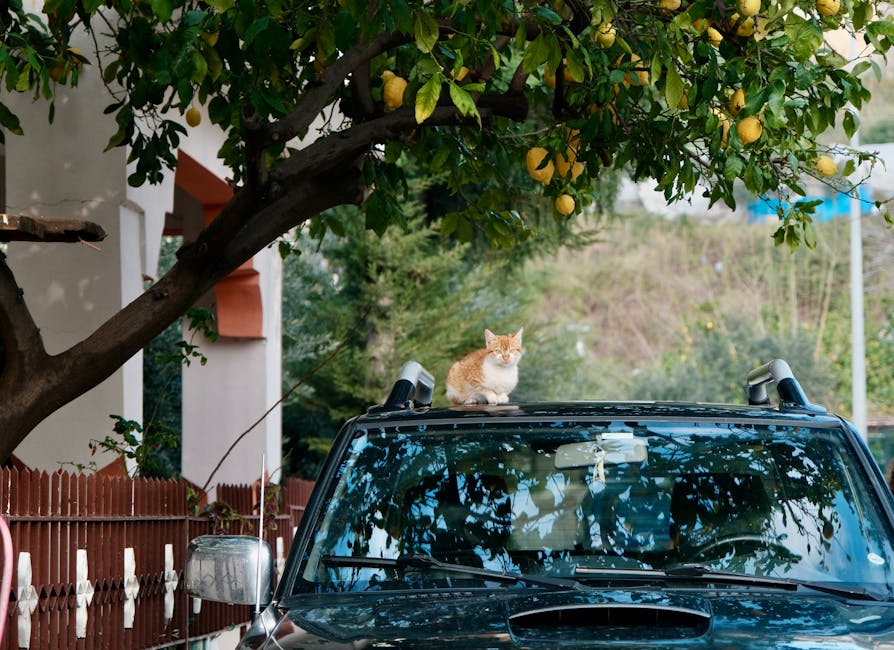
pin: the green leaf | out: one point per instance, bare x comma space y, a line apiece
860, 68
806, 40
256, 28
23, 83
548, 15
880, 28
673, 88
427, 98
400, 14
9, 120
850, 123
574, 67
426, 30
215, 64
378, 215
860, 15
464, 102
536, 53
285, 249
164, 9
200, 68
810, 234
221, 5
465, 230
733, 167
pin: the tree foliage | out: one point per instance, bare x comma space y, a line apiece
607, 84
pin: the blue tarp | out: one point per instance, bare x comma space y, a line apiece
832, 206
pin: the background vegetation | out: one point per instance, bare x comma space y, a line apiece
634, 307
655, 309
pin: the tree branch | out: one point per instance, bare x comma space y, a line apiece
318, 97
24, 351
333, 150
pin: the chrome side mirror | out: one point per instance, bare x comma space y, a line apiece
232, 569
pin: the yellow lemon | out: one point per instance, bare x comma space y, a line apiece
723, 122
463, 71
595, 109
569, 163
393, 94
193, 116
826, 166
828, 7
736, 101
761, 28
550, 78
749, 129
744, 26
714, 37
564, 204
605, 35
749, 7
533, 159
669, 5
386, 75
642, 75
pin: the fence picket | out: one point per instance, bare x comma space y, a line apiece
53, 515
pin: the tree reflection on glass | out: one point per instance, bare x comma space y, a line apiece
549, 499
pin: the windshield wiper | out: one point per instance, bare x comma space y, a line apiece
427, 562
699, 571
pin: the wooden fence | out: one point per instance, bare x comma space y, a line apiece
98, 562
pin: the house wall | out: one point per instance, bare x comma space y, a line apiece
60, 170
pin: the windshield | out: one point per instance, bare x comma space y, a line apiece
564, 498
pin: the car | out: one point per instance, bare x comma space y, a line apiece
579, 525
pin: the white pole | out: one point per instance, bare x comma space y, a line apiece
858, 341
858, 337
260, 535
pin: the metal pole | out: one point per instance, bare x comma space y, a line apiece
260, 535
858, 336
858, 341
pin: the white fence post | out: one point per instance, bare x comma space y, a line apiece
26, 598
131, 587
83, 594
171, 581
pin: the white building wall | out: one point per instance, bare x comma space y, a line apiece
59, 170
239, 383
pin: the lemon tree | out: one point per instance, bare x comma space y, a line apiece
645, 85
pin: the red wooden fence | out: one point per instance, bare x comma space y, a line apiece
98, 562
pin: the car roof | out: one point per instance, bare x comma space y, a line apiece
599, 410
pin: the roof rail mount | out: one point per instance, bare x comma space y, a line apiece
791, 395
413, 389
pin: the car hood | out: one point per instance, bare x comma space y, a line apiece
574, 619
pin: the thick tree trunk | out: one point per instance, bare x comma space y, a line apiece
34, 384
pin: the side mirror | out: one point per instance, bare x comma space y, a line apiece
232, 569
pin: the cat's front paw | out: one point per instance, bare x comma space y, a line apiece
502, 398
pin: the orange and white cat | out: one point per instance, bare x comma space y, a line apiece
487, 375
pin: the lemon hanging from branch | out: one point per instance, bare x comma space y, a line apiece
393, 91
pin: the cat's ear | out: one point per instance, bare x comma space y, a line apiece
518, 335
489, 337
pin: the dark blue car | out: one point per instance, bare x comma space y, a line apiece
580, 525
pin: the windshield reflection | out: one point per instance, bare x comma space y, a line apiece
552, 498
